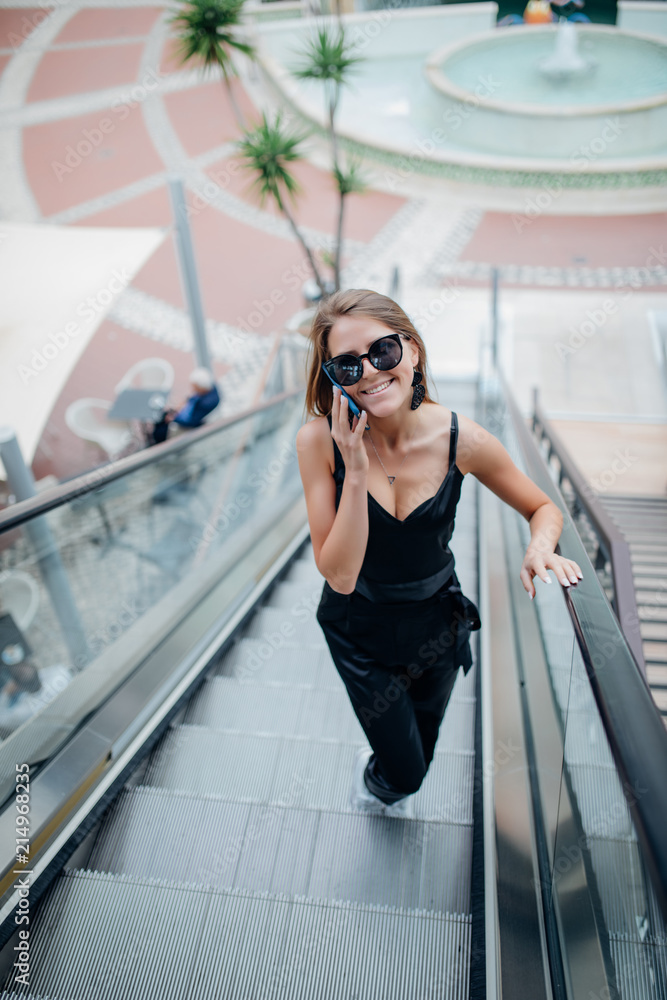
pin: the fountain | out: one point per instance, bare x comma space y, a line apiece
565, 63
510, 106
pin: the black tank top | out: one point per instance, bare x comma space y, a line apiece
410, 559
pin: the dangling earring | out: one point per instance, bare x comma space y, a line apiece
419, 390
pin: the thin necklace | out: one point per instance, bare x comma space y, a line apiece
392, 478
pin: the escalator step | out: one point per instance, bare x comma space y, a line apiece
287, 849
278, 625
268, 661
109, 937
304, 571
263, 769
258, 662
224, 704
300, 597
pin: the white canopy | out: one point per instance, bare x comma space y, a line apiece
56, 285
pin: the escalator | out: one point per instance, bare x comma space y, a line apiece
189, 821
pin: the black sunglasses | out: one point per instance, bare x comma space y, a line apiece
384, 354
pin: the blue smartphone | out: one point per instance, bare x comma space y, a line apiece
353, 408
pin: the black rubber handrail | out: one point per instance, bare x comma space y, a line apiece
17, 514
613, 542
631, 719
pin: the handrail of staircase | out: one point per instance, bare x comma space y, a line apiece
17, 514
611, 539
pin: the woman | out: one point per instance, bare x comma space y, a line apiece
381, 494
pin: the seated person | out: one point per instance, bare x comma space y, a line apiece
204, 399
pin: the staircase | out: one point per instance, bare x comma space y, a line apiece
643, 523
232, 864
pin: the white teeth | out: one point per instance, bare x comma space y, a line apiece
378, 388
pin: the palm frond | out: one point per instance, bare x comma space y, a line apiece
352, 180
328, 57
206, 30
266, 151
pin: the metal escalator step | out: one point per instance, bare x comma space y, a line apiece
264, 770
224, 704
276, 624
297, 598
287, 850
304, 571
266, 661
109, 937
256, 662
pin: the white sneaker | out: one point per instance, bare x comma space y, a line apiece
363, 800
404, 808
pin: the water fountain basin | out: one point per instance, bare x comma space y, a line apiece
498, 101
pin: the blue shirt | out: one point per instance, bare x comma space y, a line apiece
197, 407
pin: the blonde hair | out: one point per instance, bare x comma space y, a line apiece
353, 302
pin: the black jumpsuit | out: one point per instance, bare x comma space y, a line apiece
398, 639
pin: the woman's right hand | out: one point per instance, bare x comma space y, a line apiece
350, 440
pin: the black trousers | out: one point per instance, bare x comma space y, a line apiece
399, 663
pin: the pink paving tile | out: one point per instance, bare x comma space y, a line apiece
71, 71
17, 25
564, 241
317, 205
240, 269
151, 209
204, 118
124, 22
160, 275
111, 351
64, 168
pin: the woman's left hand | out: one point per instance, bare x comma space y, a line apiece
537, 563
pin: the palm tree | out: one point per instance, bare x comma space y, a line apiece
207, 33
266, 151
329, 59
348, 182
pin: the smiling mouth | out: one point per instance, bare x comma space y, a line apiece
377, 388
